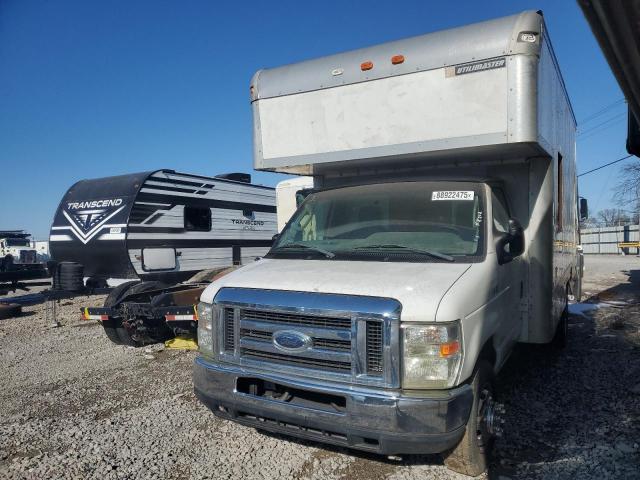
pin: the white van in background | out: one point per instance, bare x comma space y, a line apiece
289, 196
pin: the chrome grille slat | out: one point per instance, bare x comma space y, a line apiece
304, 362
269, 347
274, 326
256, 334
296, 319
339, 345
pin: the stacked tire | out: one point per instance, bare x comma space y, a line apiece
69, 276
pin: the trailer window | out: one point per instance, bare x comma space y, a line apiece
197, 219
559, 194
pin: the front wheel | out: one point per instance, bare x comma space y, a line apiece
471, 455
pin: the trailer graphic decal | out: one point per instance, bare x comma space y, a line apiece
86, 223
113, 202
479, 66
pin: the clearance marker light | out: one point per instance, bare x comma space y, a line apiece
364, 66
397, 59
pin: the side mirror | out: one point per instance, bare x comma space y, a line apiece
511, 244
584, 209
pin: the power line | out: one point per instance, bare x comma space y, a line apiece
600, 130
602, 111
595, 127
605, 165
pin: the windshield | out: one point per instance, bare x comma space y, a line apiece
402, 221
17, 242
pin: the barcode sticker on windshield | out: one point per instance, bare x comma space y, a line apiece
453, 195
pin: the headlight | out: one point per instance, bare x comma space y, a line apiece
205, 328
432, 355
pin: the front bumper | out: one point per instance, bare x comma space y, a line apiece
375, 420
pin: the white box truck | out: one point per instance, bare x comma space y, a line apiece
289, 196
442, 229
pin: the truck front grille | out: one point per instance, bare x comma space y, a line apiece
329, 349
321, 341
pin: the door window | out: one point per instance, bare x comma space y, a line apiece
500, 211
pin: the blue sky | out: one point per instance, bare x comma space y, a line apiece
98, 88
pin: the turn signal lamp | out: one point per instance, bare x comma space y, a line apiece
448, 349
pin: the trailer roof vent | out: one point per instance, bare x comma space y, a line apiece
236, 177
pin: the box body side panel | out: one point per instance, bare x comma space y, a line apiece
392, 111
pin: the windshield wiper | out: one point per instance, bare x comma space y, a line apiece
326, 253
392, 246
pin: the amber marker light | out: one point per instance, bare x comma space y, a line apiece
448, 349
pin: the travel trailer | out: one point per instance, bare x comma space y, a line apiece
152, 230
441, 231
162, 225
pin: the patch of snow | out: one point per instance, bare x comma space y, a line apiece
582, 309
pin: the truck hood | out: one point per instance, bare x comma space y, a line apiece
419, 287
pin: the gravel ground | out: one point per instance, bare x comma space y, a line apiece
73, 405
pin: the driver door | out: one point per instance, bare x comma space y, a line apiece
510, 281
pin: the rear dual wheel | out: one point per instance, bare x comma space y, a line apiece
117, 333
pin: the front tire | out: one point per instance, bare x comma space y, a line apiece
561, 337
471, 456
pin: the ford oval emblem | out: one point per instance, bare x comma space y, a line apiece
291, 341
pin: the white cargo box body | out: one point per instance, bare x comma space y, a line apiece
469, 91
